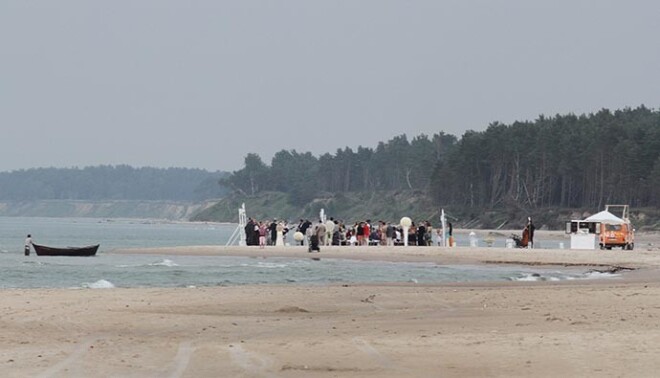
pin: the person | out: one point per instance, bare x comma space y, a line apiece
390, 233
263, 231
450, 233
322, 232
530, 231
336, 236
366, 232
28, 244
428, 237
279, 234
255, 233
412, 234
303, 228
421, 234
359, 232
273, 232
318, 231
350, 237
382, 232
249, 230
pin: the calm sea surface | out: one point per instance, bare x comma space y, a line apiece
107, 270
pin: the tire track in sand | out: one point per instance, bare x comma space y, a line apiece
372, 352
182, 359
251, 362
76, 355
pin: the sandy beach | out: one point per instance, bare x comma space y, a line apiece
597, 328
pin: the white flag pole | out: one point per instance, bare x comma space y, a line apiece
443, 219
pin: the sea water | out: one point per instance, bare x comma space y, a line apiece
108, 270
110, 233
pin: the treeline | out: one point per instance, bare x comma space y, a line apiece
106, 182
395, 165
562, 161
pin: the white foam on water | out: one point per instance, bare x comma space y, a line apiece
100, 284
599, 275
271, 265
529, 277
34, 262
534, 277
164, 262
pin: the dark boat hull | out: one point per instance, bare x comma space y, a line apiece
69, 251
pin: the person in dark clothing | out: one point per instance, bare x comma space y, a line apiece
273, 232
359, 233
249, 231
421, 233
303, 229
450, 232
412, 234
530, 231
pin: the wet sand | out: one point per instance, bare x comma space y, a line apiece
607, 327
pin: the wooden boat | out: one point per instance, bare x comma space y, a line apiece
68, 251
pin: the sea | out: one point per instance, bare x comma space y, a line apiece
109, 270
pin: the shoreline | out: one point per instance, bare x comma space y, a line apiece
587, 328
638, 258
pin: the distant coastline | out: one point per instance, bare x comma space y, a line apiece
169, 210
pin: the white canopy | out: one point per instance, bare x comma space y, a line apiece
605, 217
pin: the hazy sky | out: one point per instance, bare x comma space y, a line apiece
200, 84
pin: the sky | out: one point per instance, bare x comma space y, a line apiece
200, 84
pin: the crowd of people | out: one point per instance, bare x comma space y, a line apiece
337, 232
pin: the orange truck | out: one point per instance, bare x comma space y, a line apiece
617, 233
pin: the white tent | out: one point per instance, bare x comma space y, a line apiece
605, 217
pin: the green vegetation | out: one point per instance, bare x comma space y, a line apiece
110, 183
392, 205
349, 206
506, 172
565, 161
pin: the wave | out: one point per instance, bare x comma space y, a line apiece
599, 275
528, 277
265, 265
271, 265
32, 262
100, 284
535, 277
164, 262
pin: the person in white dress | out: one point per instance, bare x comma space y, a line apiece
279, 241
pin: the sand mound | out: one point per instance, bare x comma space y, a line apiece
291, 309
